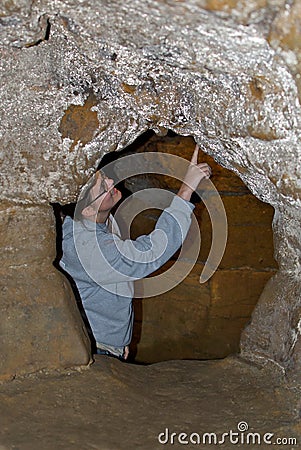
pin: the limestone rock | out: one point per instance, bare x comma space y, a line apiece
284, 38
41, 324
203, 77
129, 406
194, 321
116, 69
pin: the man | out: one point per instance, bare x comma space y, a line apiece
104, 266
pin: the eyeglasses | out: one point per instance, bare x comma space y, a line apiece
104, 187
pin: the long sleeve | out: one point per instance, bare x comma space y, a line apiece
104, 267
108, 259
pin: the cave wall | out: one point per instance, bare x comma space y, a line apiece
39, 322
80, 80
204, 321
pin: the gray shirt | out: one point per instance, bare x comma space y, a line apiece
104, 267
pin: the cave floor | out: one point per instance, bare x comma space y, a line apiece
114, 405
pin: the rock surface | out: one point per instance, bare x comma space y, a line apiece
203, 321
79, 79
39, 322
195, 73
120, 406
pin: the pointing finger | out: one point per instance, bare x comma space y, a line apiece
194, 158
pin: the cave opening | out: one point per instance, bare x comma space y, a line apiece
193, 320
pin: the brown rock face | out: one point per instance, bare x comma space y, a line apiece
80, 79
80, 123
201, 321
40, 320
285, 37
180, 398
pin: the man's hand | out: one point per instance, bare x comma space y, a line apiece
194, 175
126, 352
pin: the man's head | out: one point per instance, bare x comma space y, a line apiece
97, 199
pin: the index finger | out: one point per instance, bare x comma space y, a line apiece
194, 158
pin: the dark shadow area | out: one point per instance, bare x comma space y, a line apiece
60, 212
44, 38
